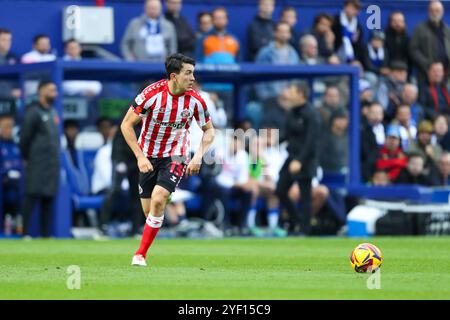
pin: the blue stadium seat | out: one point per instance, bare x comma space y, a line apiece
79, 183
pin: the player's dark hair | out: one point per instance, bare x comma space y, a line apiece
38, 37
174, 63
44, 83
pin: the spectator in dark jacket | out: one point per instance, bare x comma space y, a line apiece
324, 35
348, 32
397, 40
414, 172
11, 171
442, 175
260, 31
124, 166
6, 57
441, 132
430, 42
371, 128
435, 97
390, 88
185, 35
7, 88
391, 157
334, 144
40, 147
331, 102
374, 59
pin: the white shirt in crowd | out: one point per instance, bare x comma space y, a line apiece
274, 159
102, 173
234, 169
80, 87
35, 57
379, 133
405, 137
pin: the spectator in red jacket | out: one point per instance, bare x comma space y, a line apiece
391, 157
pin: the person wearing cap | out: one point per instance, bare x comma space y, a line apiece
391, 157
375, 54
391, 87
423, 146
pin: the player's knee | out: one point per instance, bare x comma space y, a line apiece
159, 198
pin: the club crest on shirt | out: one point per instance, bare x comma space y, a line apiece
139, 99
186, 113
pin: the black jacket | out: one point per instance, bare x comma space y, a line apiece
259, 34
302, 133
186, 38
121, 152
407, 178
40, 147
397, 46
369, 151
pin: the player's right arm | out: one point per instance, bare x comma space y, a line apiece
127, 127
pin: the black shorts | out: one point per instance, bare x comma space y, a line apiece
166, 173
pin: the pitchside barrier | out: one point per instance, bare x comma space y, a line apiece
239, 76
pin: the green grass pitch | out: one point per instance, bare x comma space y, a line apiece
237, 268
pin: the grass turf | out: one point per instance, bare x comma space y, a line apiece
291, 268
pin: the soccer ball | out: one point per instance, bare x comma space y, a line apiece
366, 258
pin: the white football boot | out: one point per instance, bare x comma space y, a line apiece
138, 260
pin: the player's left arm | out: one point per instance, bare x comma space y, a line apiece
207, 140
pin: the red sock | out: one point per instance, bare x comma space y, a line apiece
152, 226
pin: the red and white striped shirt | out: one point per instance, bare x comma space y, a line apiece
166, 119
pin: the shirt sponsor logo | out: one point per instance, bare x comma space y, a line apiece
175, 125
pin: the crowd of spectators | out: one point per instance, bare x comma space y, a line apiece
403, 88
